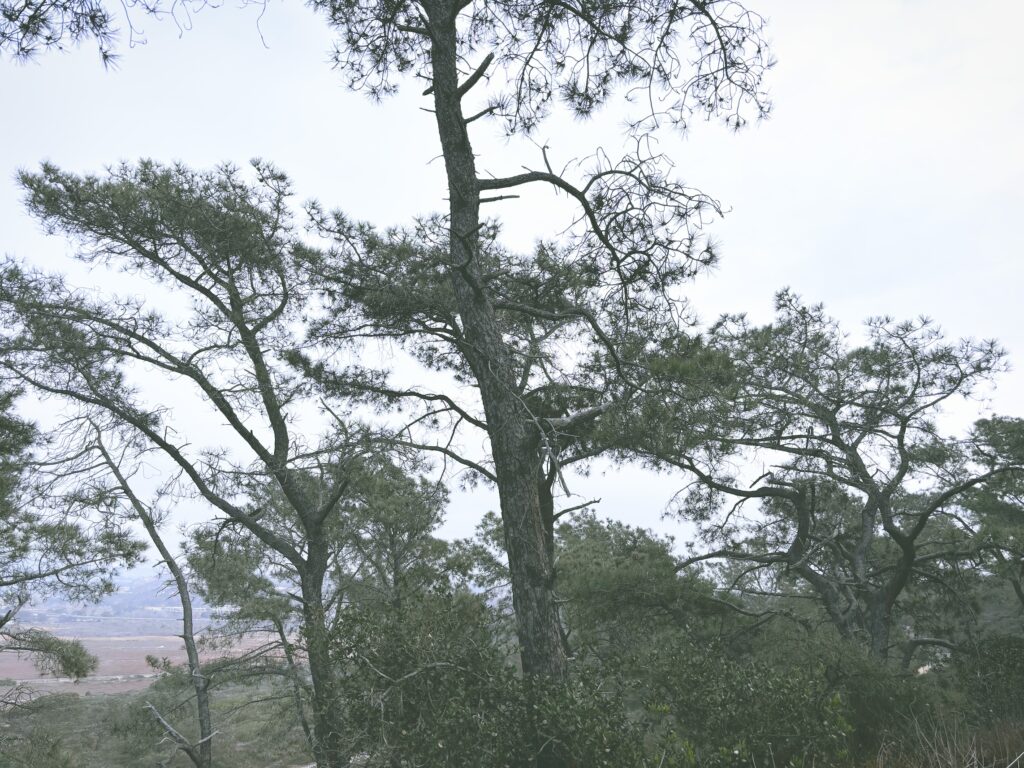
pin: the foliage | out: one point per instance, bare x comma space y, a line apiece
636, 236
381, 547
871, 528
49, 543
52, 655
997, 508
41, 749
990, 672
424, 682
242, 288
383, 556
860, 494
427, 684
16, 436
728, 679
27, 28
116, 730
745, 709
613, 573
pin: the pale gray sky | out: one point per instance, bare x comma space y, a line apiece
887, 181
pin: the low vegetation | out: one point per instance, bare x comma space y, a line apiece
116, 731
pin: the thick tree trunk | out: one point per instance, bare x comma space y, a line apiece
329, 749
879, 624
512, 431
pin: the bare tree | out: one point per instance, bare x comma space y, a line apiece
105, 464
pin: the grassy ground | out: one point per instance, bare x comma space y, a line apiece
116, 731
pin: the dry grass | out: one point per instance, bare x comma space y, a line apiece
951, 744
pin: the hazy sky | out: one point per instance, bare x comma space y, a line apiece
887, 181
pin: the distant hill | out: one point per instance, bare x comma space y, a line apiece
144, 603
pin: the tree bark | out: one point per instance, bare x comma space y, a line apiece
512, 431
879, 625
200, 682
328, 745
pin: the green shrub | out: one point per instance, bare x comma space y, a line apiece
748, 709
39, 749
991, 674
880, 702
428, 684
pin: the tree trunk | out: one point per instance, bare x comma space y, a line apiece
328, 746
296, 681
879, 623
201, 753
511, 429
203, 756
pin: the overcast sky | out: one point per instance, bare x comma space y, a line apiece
888, 179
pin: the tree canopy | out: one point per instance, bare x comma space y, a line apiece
51, 542
240, 284
859, 491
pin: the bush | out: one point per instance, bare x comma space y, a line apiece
879, 702
748, 709
782, 698
39, 749
991, 675
427, 683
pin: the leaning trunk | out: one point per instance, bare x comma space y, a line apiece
200, 752
295, 680
200, 683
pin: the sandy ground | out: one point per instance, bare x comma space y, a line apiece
122, 665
